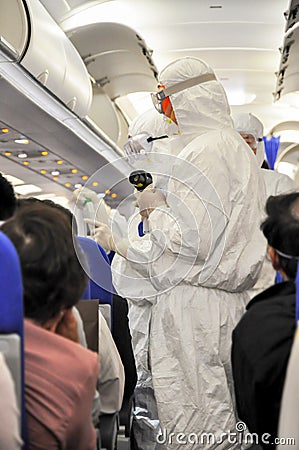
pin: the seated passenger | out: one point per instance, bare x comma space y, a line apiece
60, 376
110, 386
263, 338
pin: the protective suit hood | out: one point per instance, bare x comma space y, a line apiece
200, 108
248, 123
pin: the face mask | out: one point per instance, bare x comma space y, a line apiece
296, 258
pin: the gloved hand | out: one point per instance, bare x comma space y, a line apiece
84, 195
80, 196
148, 200
138, 193
103, 236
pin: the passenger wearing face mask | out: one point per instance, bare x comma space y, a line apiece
252, 130
205, 252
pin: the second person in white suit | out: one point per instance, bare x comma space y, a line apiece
252, 131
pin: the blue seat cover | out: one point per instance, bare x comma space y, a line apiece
98, 270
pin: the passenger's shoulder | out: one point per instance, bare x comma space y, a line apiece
46, 348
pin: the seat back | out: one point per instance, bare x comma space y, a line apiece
89, 312
97, 267
11, 319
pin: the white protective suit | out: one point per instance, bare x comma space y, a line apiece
206, 251
275, 183
130, 284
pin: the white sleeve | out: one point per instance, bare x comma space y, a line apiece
112, 376
96, 404
80, 328
9, 414
278, 183
289, 412
118, 223
286, 184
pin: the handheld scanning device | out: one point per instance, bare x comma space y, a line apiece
140, 179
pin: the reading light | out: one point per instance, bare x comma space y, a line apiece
21, 141
22, 155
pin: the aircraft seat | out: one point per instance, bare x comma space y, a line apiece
97, 267
11, 320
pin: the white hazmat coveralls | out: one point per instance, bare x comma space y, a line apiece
206, 251
275, 183
129, 283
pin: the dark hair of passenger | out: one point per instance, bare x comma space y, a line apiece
66, 211
281, 229
31, 200
53, 277
7, 198
21, 202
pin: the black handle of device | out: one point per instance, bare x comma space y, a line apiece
140, 179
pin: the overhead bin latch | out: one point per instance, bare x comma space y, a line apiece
103, 81
43, 77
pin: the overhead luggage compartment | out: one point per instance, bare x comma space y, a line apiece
14, 27
44, 50
46, 94
116, 57
103, 114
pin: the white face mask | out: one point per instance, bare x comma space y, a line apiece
139, 146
